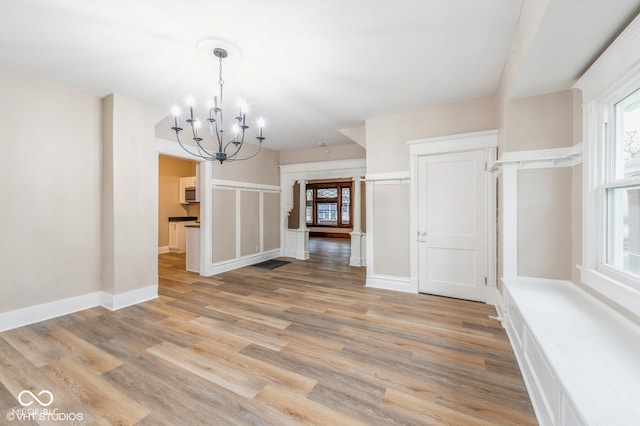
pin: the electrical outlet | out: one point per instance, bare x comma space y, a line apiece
257, 249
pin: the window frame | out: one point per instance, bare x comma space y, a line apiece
613, 77
338, 200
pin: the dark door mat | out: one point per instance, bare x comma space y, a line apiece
271, 264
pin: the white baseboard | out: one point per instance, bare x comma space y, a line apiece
388, 282
128, 298
163, 250
33, 314
45, 311
229, 265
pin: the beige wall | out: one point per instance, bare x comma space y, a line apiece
549, 200
250, 222
170, 170
540, 122
50, 186
224, 224
391, 229
130, 196
271, 221
545, 223
311, 155
262, 169
387, 150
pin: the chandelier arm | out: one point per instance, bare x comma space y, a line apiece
202, 149
245, 158
238, 148
195, 154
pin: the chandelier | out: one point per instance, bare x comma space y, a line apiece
217, 149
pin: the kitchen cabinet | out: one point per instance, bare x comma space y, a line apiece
188, 182
178, 236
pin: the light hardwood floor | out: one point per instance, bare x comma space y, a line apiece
306, 343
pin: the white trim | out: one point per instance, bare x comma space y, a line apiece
172, 148
234, 184
619, 57
624, 295
391, 177
540, 158
33, 314
205, 171
615, 74
252, 259
290, 173
164, 249
389, 282
509, 231
454, 143
45, 311
128, 298
323, 166
486, 141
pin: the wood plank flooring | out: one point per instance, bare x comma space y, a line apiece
306, 343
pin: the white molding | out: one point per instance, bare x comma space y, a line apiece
509, 232
454, 143
614, 75
172, 148
291, 173
233, 184
164, 249
624, 295
388, 177
619, 58
485, 141
128, 298
323, 166
252, 259
33, 314
540, 158
389, 282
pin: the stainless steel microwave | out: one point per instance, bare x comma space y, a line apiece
191, 195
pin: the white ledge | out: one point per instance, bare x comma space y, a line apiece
579, 357
540, 158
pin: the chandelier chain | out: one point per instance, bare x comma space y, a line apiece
220, 80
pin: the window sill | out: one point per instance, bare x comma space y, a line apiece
617, 291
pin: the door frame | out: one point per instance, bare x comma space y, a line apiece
475, 141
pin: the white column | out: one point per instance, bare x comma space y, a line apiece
509, 237
357, 236
302, 235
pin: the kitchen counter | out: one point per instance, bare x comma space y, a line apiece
183, 218
193, 248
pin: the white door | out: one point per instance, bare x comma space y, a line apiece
452, 225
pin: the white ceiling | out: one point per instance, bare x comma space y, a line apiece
309, 67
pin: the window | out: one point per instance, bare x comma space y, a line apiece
329, 204
610, 91
622, 188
